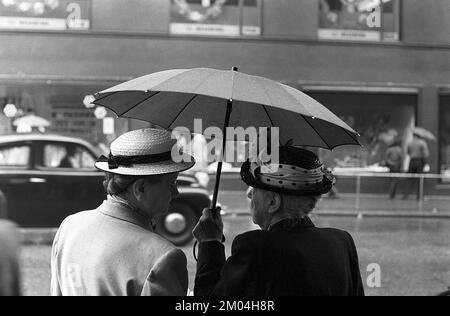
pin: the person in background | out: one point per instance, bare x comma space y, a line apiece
418, 152
289, 256
67, 161
9, 260
394, 161
113, 250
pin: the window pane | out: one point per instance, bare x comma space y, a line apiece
45, 15
380, 119
68, 156
205, 17
86, 161
391, 21
15, 156
53, 155
445, 136
251, 18
358, 20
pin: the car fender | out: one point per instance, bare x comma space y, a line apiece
198, 199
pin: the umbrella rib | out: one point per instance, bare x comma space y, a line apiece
181, 112
316, 132
105, 96
267, 113
349, 134
139, 103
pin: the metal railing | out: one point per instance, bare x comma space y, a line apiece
359, 176
361, 193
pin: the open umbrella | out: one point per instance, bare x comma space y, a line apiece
227, 98
423, 133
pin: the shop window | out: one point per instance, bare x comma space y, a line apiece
15, 156
381, 119
216, 17
444, 132
359, 20
47, 15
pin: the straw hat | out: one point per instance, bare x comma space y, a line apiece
143, 152
299, 173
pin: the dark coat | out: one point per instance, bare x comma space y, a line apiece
300, 261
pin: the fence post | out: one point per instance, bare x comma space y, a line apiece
421, 193
358, 193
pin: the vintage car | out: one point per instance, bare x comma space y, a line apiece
45, 178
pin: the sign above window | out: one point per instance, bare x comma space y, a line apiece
359, 20
216, 17
50, 15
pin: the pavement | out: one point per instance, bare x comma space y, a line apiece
412, 254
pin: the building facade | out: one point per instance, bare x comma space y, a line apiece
384, 68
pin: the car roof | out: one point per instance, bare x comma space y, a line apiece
43, 137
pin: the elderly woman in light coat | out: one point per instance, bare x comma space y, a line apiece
113, 249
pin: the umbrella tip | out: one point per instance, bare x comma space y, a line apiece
235, 68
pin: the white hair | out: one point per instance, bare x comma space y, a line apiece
298, 206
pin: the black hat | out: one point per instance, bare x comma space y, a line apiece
298, 172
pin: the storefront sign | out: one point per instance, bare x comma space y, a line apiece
215, 17
45, 14
360, 20
73, 121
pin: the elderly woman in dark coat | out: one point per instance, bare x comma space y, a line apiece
289, 256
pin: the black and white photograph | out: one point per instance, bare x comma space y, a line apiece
211, 150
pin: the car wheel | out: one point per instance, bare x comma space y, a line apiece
3, 206
178, 224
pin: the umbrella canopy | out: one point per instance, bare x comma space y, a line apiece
423, 133
175, 98
32, 121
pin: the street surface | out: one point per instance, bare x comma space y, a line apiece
413, 254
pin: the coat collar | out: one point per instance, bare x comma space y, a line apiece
292, 224
124, 213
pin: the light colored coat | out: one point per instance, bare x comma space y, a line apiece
112, 251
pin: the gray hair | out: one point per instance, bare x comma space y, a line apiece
298, 206
115, 184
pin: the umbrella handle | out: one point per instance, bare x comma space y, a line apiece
219, 165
